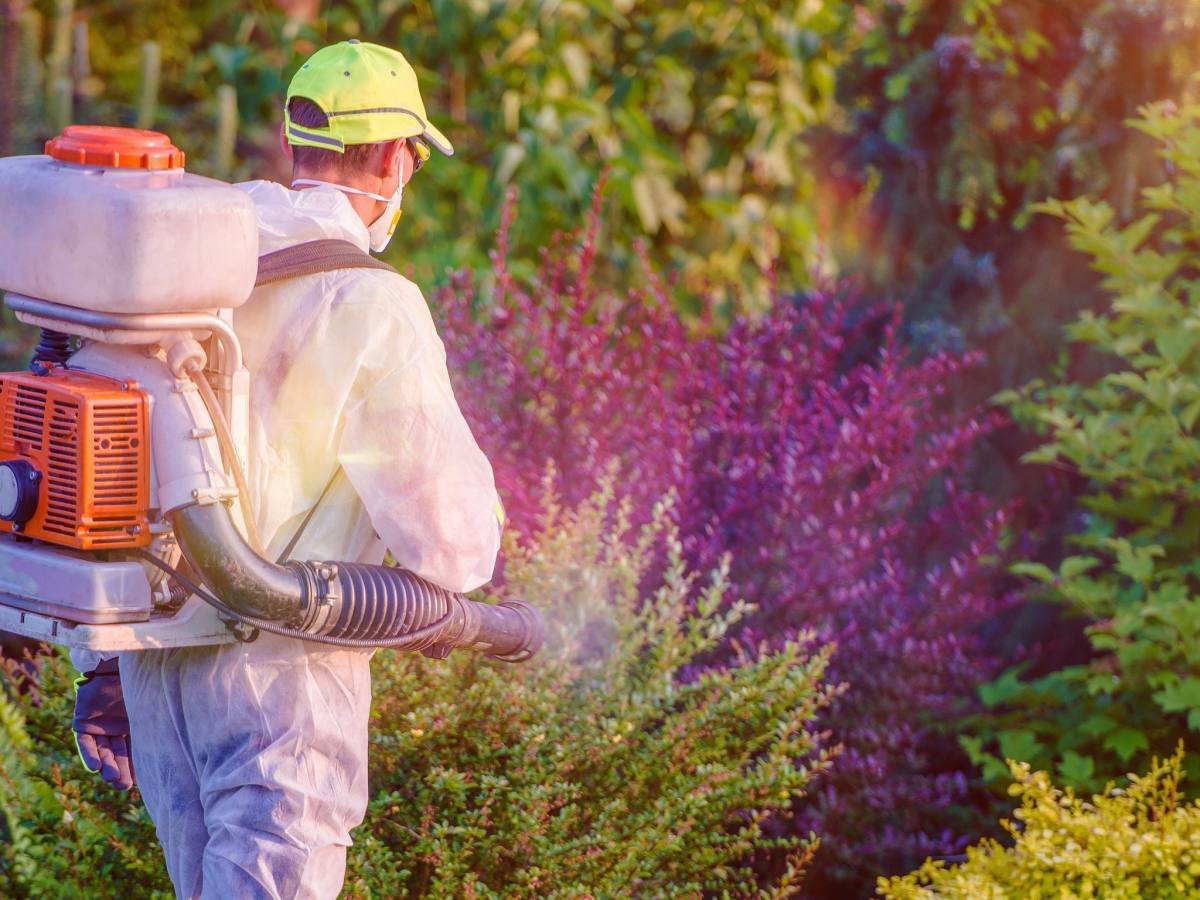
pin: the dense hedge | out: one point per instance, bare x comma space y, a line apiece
596, 768
810, 446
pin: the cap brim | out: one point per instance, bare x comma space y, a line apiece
437, 139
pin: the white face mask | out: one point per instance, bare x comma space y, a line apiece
382, 229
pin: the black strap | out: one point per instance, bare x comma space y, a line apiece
312, 257
291, 545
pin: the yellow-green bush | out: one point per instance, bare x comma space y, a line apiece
1133, 843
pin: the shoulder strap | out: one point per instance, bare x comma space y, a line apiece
286, 553
311, 257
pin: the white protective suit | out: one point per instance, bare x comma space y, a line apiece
252, 758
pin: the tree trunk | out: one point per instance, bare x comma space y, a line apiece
10, 47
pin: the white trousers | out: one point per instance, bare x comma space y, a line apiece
252, 761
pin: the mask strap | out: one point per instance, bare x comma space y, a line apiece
340, 187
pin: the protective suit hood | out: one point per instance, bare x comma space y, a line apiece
287, 217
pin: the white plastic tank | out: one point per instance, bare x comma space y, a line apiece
108, 220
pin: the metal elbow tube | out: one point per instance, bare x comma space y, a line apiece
241, 578
349, 603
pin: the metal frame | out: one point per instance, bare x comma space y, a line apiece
138, 328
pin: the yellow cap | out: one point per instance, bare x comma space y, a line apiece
368, 92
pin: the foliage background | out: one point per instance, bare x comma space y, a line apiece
697, 111
844, 198
1131, 572
815, 455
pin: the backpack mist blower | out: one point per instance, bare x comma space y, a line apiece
122, 499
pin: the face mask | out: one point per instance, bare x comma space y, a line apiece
382, 229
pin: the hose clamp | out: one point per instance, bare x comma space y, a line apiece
322, 595
329, 592
329, 597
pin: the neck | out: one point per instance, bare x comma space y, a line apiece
367, 209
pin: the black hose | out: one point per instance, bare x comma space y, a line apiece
53, 347
217, 551
398, 643
408, 602
344, 604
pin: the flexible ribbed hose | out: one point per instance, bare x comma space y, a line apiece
386, 600
343, 603
416, 640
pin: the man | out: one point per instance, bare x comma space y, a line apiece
252, 758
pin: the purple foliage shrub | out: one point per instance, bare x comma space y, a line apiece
827, 473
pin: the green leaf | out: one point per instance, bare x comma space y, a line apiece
1097, 725
1181, 696
973, 747
897, 85
1007, 397
1188, 417
1175, 344
1019, 745
1074, 566
1034, 570
1137, 562
1077, 769
1125, 742
1004, 688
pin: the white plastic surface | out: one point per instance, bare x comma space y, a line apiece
82, 587
196, 624
124, 240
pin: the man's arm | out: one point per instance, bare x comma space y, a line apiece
410, 455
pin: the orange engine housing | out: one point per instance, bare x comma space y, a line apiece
88, 437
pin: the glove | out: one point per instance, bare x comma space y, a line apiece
102, 726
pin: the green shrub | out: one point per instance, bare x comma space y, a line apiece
614, 764
1134, 435
1135, 843
65, 832
599, 770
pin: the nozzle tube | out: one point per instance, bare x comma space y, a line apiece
349, 603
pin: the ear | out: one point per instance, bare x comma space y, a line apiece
395, 159
283, 141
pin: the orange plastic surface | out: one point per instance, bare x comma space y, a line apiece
89, 437
124, 148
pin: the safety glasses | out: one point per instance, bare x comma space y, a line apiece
420, 152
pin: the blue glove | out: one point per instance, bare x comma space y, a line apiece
102, 726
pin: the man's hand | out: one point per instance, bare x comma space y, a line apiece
102, 725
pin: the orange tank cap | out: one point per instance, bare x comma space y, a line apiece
123, 148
